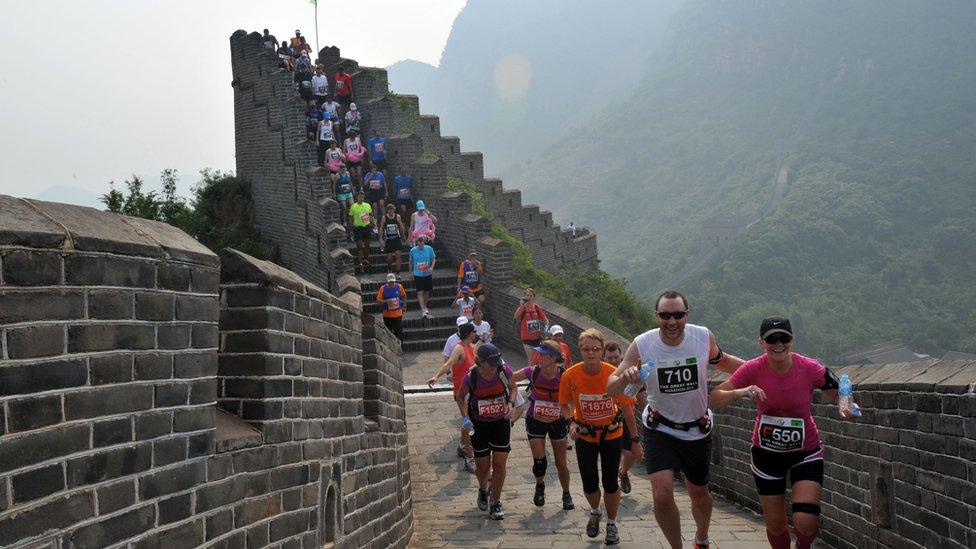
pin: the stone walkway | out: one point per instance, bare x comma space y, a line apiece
445, 514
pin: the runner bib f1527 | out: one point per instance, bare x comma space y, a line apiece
491, 408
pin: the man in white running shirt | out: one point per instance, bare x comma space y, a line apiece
678, 421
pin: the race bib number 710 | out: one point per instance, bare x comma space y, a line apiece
677, 376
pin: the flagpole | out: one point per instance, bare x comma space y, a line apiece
317, 48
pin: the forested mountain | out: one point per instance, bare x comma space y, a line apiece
871, 108
514, 75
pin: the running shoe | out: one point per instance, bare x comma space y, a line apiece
625, 483
568, 504
540, 494
701, 545
469, 465
483, 499
593, 525
460, 451
496, 512
612, 537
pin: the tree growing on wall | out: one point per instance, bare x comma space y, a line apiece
220, 213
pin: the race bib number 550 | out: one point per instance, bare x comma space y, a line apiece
781, 434
677, 376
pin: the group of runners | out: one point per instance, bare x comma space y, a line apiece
650, 402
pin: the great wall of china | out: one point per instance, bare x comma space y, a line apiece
155, 394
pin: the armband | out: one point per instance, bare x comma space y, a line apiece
830, 381
718, 358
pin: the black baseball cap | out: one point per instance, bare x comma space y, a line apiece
775, 324
490, 354
466, 329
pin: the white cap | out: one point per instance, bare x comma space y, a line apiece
555, 329
461, 320
390, 277
352, 106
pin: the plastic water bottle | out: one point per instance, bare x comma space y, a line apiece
845, 395
645, 372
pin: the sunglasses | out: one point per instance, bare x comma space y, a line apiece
668, 316
591, 349
773, 339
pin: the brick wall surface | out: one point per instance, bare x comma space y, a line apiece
108, 377
111, 375
299, 365
901, 476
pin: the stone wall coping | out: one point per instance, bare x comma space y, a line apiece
41, 224
581, 321
239, 267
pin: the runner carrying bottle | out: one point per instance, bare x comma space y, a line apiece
785, 438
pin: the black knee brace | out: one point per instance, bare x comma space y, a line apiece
809, 508
539, 467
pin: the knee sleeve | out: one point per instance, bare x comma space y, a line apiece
539, 467
809, 508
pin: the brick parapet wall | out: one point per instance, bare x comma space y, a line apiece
110, 376
294, 207
901, 476
300, 366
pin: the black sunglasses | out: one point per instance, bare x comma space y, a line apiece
668, 316
773, 339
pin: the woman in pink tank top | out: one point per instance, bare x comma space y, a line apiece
785, 438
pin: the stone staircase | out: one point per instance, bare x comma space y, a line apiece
419, 334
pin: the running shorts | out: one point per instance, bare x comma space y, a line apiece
392, 245
691, 457
380, 163
491, 436
342, 197
363, 233
424, 283
769, 469
375, 196
555, 430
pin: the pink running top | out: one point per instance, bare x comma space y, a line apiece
783, 421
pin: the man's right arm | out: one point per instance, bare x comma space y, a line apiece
626, 373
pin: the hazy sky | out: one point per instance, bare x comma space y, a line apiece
97, 90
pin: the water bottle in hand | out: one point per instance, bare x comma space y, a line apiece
845, 396
645, 372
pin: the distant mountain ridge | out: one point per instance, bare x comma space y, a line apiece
515, 75
869, 107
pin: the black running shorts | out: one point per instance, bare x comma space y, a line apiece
691, 457
556, 430
423, 283
491, 436
769, 469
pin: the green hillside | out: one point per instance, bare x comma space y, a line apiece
873, 107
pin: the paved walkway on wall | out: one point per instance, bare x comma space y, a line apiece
445, 514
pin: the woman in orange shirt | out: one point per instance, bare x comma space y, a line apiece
597, 427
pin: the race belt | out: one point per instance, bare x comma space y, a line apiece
704, 424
